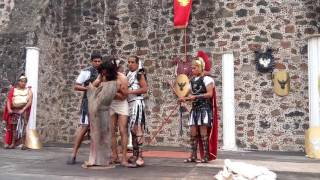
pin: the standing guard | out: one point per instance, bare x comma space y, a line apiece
137, 121
201, 115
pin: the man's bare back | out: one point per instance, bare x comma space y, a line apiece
122, 83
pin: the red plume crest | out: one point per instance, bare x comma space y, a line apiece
206, 60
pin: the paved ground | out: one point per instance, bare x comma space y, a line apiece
161, 163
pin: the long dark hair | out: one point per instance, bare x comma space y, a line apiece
109, 69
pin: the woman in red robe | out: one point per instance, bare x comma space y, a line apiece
16, 113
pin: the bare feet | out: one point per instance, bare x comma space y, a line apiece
140, 162
128, 165
12, 146
6, 146
115, 161
86, 165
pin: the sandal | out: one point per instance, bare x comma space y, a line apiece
6, 146
71, 160
204, 160
132, 159
190, 160
23, 147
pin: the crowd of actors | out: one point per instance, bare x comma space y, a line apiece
113, 98
124, 108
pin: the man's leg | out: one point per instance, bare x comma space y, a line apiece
137, 142
129, 140
123, 126
80, 134
114, 145
14, 136
193, 144
205, 141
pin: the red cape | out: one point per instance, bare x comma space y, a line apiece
6, 116
213, 132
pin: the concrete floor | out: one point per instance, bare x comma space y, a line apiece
161, 163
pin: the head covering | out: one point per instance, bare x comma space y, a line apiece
204, 56
23, 77
199, 62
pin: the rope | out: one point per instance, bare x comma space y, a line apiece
166, 120
20, 126
185, 43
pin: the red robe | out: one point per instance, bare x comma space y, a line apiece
6, 117
213, 132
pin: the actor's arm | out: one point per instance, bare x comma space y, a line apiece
29, 103
9, 107
97, 82
143, 86
209, 83
83, 77
80, 87
208, 94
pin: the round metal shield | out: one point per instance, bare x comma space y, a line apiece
181, 85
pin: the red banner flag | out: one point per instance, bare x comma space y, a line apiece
181, 10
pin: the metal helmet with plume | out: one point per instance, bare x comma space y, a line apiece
206, 60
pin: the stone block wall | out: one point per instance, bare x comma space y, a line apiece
69, 31
6, 7
11, 60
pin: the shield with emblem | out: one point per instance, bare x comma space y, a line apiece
181, 85
281, 82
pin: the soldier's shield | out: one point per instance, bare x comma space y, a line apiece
281, 82
181, 86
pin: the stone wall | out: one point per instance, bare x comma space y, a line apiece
6, 7
265, 121
69, 31
11, 60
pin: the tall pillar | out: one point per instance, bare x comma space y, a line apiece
312, 138
314, 77
229, 142
32, 65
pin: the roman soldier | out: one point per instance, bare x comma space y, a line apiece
137, 85
203, 115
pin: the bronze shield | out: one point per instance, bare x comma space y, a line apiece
181, 85
281, 82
